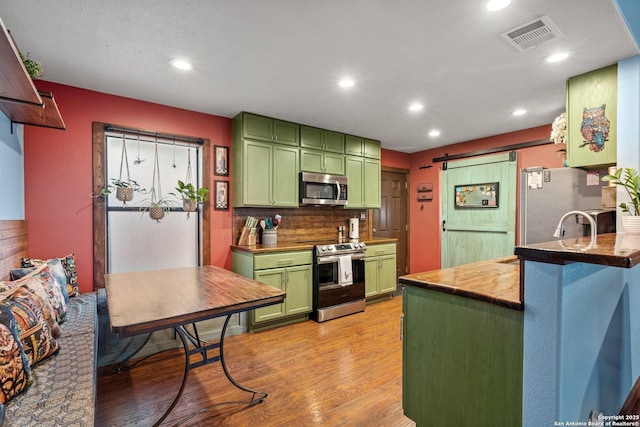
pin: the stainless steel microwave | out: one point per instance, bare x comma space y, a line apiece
323, 189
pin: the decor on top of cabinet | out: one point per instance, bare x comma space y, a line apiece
559, 135
629, 180
34, 68
591, 118
190, 195
559, 129
156, 205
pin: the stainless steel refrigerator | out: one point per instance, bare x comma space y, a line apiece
547, 194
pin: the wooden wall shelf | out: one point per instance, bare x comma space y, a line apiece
20, 101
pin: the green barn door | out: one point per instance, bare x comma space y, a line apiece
476, 225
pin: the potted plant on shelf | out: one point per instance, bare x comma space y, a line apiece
629, 179
190, 195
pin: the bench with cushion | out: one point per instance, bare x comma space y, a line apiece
48, 339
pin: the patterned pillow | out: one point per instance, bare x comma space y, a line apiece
34, 285
37, 341
15, 372
57, 271
43, 274
69, 266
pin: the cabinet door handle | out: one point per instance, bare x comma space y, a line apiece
443, 227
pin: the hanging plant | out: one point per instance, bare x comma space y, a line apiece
124, 188
156, 205
190, 195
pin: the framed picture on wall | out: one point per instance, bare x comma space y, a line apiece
221, 160
221, 202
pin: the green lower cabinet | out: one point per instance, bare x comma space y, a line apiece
276, 278
461, 361
380, 270
290, 271
296, 282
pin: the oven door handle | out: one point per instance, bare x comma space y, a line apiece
335, 258
327, 260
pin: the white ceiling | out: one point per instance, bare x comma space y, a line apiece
283, 58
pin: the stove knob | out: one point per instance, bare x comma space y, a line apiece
323, 249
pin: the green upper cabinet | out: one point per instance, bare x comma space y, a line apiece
592, 118
363, 176
285, 177
358, 146
321, 139
262, 128
268, 175
321, 162
264, 173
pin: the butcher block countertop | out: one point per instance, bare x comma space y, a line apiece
496, 281
614, 250
298, 246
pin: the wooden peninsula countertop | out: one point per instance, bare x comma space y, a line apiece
496, 281
614, 250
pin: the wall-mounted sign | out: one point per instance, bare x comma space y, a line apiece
476, 195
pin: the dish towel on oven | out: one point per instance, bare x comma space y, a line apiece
344, 267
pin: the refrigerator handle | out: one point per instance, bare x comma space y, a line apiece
443, 227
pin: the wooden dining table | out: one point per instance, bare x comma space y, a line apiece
142, 302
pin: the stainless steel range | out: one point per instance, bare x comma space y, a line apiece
338, 280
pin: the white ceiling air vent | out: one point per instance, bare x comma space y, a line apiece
532, 34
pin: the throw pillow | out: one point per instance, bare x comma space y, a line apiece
43, 274
33, 285
35, 334
15, 372
69, 265
57, 271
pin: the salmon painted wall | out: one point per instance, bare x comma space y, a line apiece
424, 234
395, 159
58, 171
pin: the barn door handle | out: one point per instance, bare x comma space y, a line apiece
443, 227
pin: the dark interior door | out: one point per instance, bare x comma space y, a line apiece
391, 219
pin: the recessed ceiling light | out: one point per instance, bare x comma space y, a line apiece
519, 112
556, 57
494, 5
181, 64
434, 133
416, 107
346, 82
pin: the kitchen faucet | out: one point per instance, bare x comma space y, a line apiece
560, 230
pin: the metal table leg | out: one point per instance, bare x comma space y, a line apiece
201, 349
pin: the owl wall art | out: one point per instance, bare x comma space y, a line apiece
594, 128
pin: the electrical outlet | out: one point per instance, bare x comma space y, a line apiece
363, 216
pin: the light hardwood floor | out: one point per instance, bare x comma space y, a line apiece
344, 372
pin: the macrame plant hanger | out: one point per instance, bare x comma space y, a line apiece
156, 209
124, 189
189, 205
